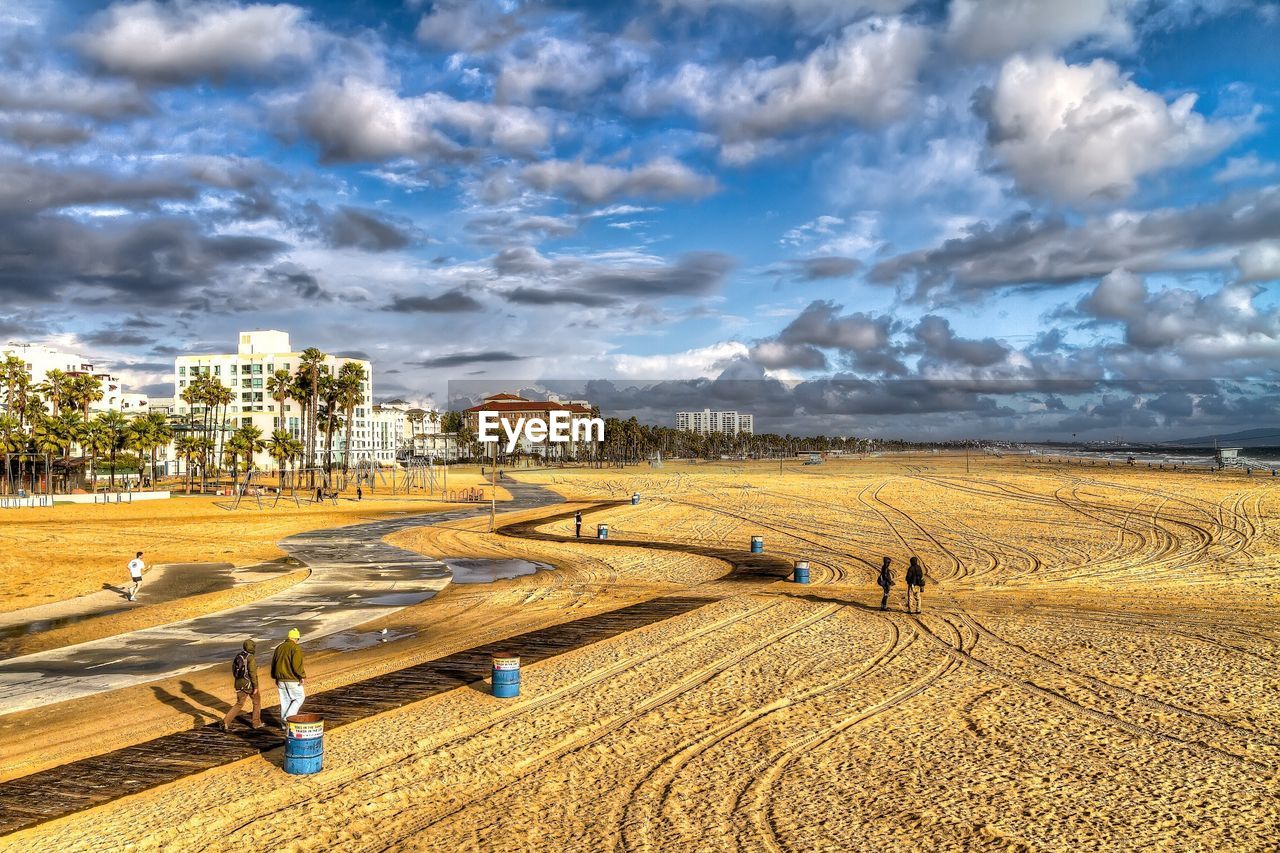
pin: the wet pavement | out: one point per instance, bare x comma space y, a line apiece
355, 578
488, 571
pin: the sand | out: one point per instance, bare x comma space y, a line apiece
1095, 668
48, 554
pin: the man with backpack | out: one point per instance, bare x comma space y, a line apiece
915, 582
577, 524
885, 581
244, 673
290, 678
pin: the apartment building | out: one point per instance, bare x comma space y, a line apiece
40, 359
708, 422
245, 372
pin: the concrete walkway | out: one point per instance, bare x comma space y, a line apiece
162, 582
355, 578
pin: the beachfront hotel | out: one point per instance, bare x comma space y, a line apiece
708, 422
245, 372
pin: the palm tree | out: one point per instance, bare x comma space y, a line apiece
56, 387
84, 391
187, 447
309, 369
280, 386
95, 441
245, 442
116, 429
12, 440
330, 392
351, 378
150, 432
282, 446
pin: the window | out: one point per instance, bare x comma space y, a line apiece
182, 371
217, 369
257, 368
246, 397
257, 383
246, 422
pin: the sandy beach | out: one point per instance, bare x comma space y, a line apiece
1094, 667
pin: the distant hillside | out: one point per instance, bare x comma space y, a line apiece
1261, 437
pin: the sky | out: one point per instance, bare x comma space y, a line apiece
1016, 219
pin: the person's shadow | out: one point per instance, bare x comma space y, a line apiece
118, 590
209, 705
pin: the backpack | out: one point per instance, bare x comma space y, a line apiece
240, 667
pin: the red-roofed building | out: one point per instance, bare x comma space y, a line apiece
512, 409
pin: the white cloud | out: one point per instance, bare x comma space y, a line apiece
1081, 132
866, 76
187, 41
1260, 262
812, 13
563, 66
993, 29
594, 183
359, 120
1243, 168
702, 362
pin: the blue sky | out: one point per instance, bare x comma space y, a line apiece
1011, 218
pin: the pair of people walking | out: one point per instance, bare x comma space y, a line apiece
287, 671
915, 583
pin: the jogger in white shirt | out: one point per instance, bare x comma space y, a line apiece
135, 572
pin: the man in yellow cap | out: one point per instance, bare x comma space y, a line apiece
290, 677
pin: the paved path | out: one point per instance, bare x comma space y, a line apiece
355, 577
90, 782
162, 582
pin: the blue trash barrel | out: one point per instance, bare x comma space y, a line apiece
801, 573
506, 676
304, 744
757, 544
602, 531
635, 499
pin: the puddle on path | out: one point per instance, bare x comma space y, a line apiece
488, 571
354, 640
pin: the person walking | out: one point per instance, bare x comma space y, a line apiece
915, 582
577, 524
359, 493
885, 581
135, 574
290, 676
244, 674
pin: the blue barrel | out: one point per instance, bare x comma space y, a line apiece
635, 499
602, 531
757, 544
506, 676
801, 572
304, 744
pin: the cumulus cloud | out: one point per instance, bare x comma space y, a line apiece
468, 25
172, 43
812, 14
861, 339
594, 183
450, 302
359, 121
942, 345
866, 76
993, 29
1259, 262
1184, 328
606, 281
50, 90
1076, 133
370, 230
562, 66
1026, 250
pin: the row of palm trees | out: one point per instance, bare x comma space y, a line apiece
327, 401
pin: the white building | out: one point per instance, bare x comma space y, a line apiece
245, 372
707, 422
41, 359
